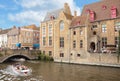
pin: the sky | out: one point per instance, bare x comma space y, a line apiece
26, 12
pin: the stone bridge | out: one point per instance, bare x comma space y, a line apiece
28, 54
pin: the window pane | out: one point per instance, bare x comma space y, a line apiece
50, 40
50, 53
61, 54
81, 43
61, 25
43, 31
117, 26
74, 44
104, 28
104, 41
44, 41
61, 41
50, 30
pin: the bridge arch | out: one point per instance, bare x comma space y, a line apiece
15, 56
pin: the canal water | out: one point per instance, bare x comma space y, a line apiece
50, 71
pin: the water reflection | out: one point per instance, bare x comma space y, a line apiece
49, 71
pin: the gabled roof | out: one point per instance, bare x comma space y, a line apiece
78, 21
4, 31
13, 31
100, 12
53, 13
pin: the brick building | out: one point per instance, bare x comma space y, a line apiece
54, 31
73, 36
23, 37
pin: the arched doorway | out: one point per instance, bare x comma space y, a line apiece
92, 46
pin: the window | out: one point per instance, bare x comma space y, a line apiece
78, 55
43, 52
94, 26
61, 41
50, 30
94, 33
81, 43
74, 32
113, 12
61, 25
50, 41
116, 40
104, 28
44, 41
74, 44
117, 26
104, 41
87, 10
61, 54
104, 7
50, 53
92, 15
71, 54
81, 32
43, 31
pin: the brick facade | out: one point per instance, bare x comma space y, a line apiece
95, 28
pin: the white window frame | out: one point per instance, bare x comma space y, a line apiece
104, 28
43, 31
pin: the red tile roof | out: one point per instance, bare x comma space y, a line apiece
102, 9
78, 21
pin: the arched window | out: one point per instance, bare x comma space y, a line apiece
61, 25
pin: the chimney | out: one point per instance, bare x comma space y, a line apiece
75, 13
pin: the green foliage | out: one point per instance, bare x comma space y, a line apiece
44, 57
1, 54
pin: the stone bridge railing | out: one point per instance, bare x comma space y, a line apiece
31, 54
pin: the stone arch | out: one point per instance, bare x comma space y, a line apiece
15, 55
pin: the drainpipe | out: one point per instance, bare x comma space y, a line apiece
69, 45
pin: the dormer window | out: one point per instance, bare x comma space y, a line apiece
87, 10
92, 15
52, 17
104, 7
113, 12
78, 23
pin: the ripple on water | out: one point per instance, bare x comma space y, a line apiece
8, 75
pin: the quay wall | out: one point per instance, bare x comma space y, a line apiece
100, 59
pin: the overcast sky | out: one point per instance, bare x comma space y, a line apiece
26, 12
